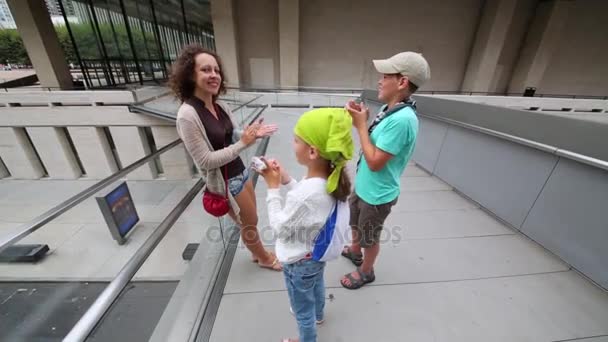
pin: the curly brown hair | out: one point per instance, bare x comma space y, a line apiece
181, 80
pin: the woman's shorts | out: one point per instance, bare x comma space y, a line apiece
236, 184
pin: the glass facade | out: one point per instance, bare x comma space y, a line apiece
121, 42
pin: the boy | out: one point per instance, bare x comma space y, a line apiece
386, 148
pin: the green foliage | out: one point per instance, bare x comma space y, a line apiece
117, 45
12, 49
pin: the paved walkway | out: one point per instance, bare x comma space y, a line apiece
81, 247
447, 271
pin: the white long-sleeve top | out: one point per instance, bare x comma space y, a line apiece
297, 223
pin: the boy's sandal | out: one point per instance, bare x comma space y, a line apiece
355, 258
364, 278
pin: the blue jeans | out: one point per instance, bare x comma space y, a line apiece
237, 183
306, 289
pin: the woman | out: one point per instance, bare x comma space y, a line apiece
197, 79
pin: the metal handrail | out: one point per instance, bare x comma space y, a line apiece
246, 103
97, 310
252, 117
140, 109
601, 164
36, 223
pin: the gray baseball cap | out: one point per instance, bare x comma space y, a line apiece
410, 64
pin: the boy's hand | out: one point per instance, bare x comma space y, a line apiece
272, 174
359, 113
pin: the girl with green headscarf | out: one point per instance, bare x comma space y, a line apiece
312, 226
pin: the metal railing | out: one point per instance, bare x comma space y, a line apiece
97, 310
36, 223
87, 323
601, 164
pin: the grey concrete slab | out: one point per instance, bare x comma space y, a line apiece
40, 192
439, 224
431, 200
415, 184
446, 224
504, 177
570, 218
151, 192
430, 141
414, 171
52, 234
88, 252
546, 307
416, 261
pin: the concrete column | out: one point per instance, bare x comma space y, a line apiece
176, 162
3, 170
94, 151
543, 40
483, 68
224, 29
289, 42
18, 154
131, 145
55, 152
41, 42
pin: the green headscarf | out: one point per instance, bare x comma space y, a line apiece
329, 130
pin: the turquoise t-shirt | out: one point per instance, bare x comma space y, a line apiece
395, 134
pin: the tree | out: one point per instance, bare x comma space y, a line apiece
12, 49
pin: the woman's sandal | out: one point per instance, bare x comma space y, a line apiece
274, 266
364, 278
355, 258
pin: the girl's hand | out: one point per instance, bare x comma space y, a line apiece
285, 177
272, 174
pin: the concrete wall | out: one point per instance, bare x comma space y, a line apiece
557, 46
176, 163
579, 65
258, 41
498, 41
545, 196
18, 154
3, 170
339, 39
55, 152
587, 137
94, 151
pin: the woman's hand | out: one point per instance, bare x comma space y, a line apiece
249, 135
272, 174
264, 130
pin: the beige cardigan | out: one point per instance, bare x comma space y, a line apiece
192, 132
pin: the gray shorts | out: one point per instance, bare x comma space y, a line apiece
368, 220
